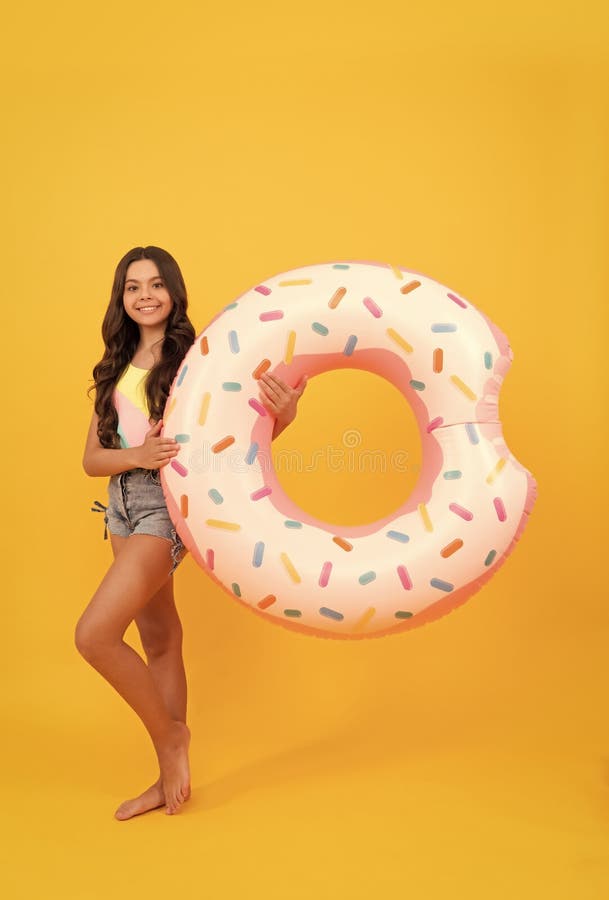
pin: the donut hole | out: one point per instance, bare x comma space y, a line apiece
353, 454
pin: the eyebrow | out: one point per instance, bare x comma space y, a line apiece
156, 278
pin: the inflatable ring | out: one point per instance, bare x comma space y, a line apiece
468, 507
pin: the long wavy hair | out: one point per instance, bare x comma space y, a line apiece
121, 336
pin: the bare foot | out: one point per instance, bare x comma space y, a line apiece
152, 798
175, 773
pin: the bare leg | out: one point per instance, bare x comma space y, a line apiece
136, 575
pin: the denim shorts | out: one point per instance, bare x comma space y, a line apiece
136, 505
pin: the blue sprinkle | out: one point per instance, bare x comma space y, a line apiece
182, 374
417, 385
488, 360
398, 536
452, 474
233, 341
443, 326
367, 577
472, 433
340, 266
402, 614
230, 306
236, 589
258, 554
291, 523
491, 556
319, 328
251, 453
441, 585
182, 438
293, 613
216, 496
331, 613
231, 386
350, 345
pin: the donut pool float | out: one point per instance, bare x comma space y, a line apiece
467, 510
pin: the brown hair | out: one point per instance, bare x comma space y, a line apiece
121, 336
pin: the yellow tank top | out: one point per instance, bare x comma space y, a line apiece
132, 407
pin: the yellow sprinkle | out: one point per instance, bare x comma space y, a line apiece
172, 403
291, 570
399, 340
494, 472
204, 408
463, 387
363, 620
397, 272
218, 523
425, 517
289, 348
295, 281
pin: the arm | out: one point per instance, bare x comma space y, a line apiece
154, 453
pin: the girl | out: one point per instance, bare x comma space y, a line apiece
146, 332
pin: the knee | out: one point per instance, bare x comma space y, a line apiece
87, 639
162, 638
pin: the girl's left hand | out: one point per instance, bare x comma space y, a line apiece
280, 399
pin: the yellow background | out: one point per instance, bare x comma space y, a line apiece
468, 141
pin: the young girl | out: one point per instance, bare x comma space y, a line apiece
146, 332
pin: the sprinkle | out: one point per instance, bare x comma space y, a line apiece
463, 387
435, 423
451, 548
182, 438
292, 523
180, 469
209, 558
404, 578
184, 505
425, 517
218, 523
289, 347
441, 585
495, 471
250, 456
491, 556
393, 334
402, 614
457, 300
261, 492
182, 375
411, 286
350, 345
204, 407
267, 601
231, 386
367, 577
331, 613
236, 589
336, 297
364, 619
216, 496
170, 406
500, 509
372, 307
443, 326
397, 272
223, 444
258, 554
263, 289
257, 406
271, 315
340, 266
293, 282
204, 346
472, 433
438, 359
342, 543
292, 613
290, 568
319, 328
417, 385
231, 306
461, 511
398, 536
325, 574
488, 361
261, 368
452, 474
233, 341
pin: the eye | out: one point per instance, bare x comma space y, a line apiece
132, 287
159, 284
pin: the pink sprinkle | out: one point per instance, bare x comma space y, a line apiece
210, 559
405, 578
257, 406
435, 423
370, 305
457, 300
179, 468
269, 316
500, 508
461, 511
263, 289
262, 492
325, 574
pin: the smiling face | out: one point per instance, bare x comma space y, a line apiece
145, 297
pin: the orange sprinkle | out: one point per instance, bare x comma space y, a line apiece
407, 288
266, 601
184, 505
342, 543
223, 444
336, 297
204, 346
261, 368
451, 548
438, 359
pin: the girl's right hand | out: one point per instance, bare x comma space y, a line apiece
156, 451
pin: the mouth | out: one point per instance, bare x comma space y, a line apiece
147, 309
